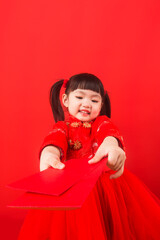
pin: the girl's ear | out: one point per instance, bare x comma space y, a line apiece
65, 100
102, 104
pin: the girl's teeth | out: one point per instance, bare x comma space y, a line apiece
85, 112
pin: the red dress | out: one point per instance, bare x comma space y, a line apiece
122, 208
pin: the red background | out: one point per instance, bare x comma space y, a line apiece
43, 41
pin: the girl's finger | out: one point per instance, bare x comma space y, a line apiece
119, 166
43, 166
57, 164
118, 173
98, 156
118, 163
112, 159
121, 161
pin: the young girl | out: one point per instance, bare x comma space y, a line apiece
120, 206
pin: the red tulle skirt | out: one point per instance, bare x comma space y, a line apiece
122, 208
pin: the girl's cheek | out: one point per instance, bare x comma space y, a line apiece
96, 112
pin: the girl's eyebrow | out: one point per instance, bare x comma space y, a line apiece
94, 95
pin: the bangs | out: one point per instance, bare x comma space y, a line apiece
87, 85
85, 81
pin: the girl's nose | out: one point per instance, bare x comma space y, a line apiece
86, 103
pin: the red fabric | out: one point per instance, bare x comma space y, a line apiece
122, 208
58, 138
63, 132
104, 127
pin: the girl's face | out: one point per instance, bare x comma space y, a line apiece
83, 104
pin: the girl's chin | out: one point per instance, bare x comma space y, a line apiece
84, 118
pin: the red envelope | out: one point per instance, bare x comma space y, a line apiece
54, 181
73, 198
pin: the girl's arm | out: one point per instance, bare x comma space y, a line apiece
50, 157
116, 156
53, 150
110, 144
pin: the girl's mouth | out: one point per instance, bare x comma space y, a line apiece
84, 112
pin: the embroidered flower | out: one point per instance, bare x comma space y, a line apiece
87, 125
75, 145
76, 124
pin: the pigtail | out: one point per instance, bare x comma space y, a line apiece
106, 107
55, 103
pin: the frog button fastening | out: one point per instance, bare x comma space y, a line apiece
75, 124
87, 125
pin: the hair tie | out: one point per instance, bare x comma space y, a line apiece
65, 81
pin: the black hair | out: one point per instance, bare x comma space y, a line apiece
81, 81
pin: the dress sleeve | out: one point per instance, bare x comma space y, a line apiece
58, 138
105, 128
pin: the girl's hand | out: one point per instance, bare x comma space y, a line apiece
116, 156
50, 157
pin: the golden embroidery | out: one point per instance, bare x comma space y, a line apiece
70, 143
76, 124
75, 145
87, 125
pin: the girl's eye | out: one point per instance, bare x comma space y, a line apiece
78, 97
95, 101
